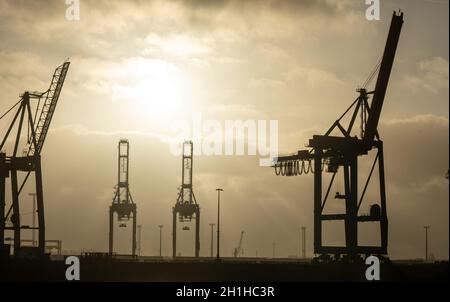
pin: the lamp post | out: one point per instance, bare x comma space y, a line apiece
139, 239
304, 242
218, 222
212, 237
160, 239
426, 242
273, 248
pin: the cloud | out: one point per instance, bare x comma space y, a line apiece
82, 130
266, 83
418, 148
109, 28
237, 109
431, 74
312, 77
325, 7
423, 119
174, 45
22, 71
30, 63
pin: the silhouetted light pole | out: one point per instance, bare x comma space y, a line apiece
34, 218
304, 241
273, 246
218, 221
160, 239
139, 239
212, 237
426, 242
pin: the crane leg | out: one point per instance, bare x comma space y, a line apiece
317, 202
134, 232
174, 234
111, 230
2, 198
40, 205
384, 219
16, 216
197, 232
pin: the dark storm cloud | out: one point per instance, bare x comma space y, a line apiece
27, 16
316, 6
204, 12
47, 8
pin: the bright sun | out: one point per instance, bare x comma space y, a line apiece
154, 88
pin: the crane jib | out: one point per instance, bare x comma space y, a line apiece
48, 108
383, 79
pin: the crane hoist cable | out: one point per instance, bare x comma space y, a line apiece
10, 109
372, 74
34, 118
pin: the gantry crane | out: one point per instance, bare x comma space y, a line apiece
44, 105
341, 152
123, 203
238, 251
186, 206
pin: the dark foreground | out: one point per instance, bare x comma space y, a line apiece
207, 269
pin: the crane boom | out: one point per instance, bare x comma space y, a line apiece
238, 250
48, 108
383, 79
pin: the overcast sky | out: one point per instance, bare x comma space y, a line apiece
136, 66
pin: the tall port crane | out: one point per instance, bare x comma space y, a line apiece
37, 124
123, 203
239, 251
341, 152
186, 206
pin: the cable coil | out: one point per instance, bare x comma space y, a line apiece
295, 167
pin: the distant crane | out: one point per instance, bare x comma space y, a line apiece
239, 251
37, 125
123, 203
186, 206
341, 152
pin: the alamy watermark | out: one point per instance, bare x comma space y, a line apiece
73, 10
373, 10
373, 271
232, 137
73, 271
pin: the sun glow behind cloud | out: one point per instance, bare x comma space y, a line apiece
154, 88
174, 45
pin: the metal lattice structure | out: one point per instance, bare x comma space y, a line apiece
50, 97
186, 206
44, 104
340, 153
123, 203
